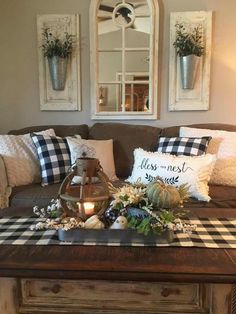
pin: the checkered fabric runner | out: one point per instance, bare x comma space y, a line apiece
210, 233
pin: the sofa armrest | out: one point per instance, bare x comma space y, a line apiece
5, 190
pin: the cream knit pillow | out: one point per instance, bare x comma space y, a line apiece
20, 158
223, 144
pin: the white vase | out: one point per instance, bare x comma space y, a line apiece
188, 69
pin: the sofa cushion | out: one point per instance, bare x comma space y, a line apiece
125, 139
221, 196
33, 194
174, 130
60, 130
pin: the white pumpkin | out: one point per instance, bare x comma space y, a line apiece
94, 222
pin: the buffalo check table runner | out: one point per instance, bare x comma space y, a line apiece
209, 233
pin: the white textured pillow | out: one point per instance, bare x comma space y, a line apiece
101, 149
223, 144
174, 170
20, 158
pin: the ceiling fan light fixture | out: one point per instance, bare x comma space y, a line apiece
123, 15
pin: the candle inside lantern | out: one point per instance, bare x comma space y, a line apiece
88, 208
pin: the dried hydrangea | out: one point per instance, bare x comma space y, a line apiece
180, 225
53, 210
56, 224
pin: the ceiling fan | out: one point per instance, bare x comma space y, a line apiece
123, 14
123, 11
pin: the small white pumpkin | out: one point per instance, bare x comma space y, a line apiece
120, 223
94, 222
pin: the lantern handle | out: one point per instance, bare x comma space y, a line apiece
65, 182
103, 177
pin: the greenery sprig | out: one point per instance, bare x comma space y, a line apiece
189, 41
55, 46
157, 222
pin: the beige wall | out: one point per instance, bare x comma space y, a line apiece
19, 92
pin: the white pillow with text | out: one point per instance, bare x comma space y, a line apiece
174, 170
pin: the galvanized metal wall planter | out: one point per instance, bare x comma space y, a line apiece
189, 66
190, 90
59, 80
58, 71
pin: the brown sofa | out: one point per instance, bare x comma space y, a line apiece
126, 138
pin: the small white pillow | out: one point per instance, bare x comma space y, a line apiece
101, 149
20, 158
174, 170
223, 144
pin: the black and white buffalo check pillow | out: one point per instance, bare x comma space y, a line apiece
54, 157
188, 146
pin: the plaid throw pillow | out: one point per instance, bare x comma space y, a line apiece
54, 157
188, 146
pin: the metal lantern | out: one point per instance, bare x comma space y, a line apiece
85, 190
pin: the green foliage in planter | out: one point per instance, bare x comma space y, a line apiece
140, 225
189, 41
155, 223
55, 46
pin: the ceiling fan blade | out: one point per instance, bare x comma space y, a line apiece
102, 19
139, 5
106, 8
127, 18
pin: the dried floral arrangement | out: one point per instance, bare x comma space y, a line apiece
148, 209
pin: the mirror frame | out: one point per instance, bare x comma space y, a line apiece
153, 68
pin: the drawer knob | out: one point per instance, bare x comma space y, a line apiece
56, 289
166, 292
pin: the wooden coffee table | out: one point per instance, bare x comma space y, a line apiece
102, 279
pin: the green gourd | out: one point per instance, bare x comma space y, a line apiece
162, 195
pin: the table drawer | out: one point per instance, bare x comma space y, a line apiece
98, 296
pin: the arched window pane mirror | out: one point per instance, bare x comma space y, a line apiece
124, 58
